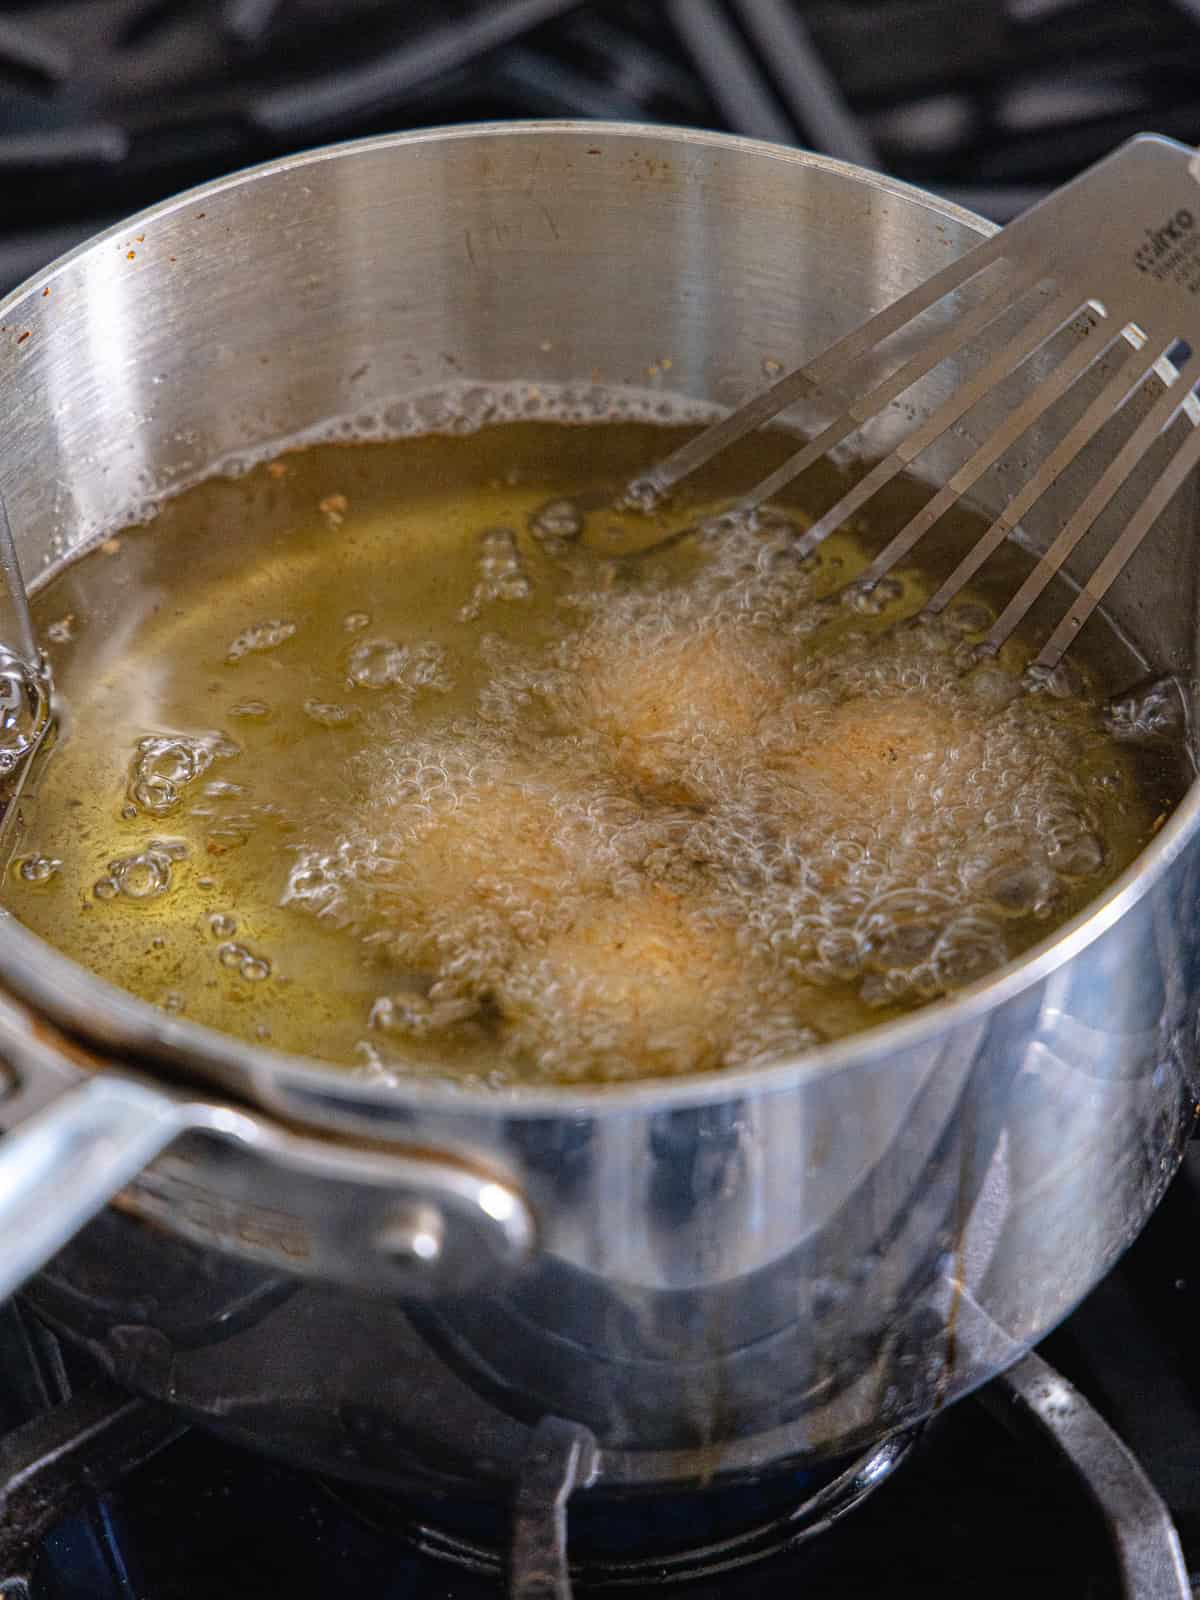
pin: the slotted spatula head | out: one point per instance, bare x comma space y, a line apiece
1119, 248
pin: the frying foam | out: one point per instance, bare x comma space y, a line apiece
686, 834
457, 408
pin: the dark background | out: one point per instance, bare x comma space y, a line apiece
108, 105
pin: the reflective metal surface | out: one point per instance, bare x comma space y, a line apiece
789, 1263
1082, 252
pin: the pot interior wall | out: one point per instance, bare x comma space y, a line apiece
334, 286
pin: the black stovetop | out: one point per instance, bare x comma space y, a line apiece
982, 1506
108, 105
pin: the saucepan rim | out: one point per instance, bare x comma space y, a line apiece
122, 1027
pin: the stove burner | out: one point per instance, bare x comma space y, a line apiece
82, 1446
61, 1471
536, 1558
1031, 1398
48, 1467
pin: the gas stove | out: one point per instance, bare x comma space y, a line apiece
1072, 1476
109, 105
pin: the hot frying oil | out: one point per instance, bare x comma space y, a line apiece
399, 756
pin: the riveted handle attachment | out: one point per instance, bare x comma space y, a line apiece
413, 1224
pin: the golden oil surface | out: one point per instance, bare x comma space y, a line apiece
370, 756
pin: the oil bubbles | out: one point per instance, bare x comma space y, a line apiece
386, 664
238, 958
24, 713
144, 875
164, 766
38, 868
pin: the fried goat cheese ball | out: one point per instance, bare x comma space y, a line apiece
675, 707
869, 758
643, 985
459, 874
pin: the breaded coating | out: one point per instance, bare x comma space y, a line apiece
678, 706
868, 757
641, 985
495, 859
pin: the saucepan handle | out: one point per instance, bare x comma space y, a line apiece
64, 1164
383, 1220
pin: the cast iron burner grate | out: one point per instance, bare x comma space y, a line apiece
726, 1530
1032, 1400
62, 1533
108, 105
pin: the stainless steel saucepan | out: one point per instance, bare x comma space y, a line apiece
709, 1275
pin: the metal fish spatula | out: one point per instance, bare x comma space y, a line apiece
1119, 248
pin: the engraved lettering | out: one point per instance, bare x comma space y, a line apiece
1163, 248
